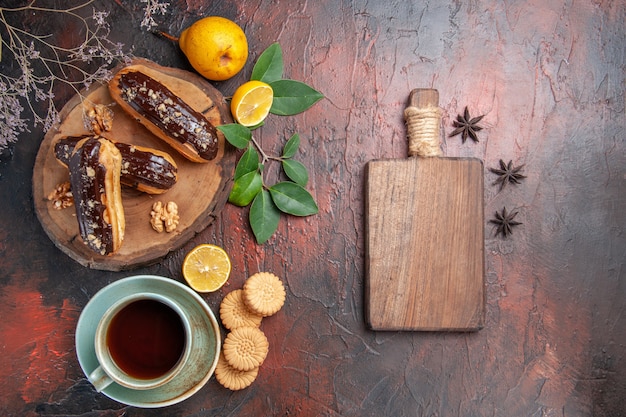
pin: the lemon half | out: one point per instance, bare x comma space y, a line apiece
252, 102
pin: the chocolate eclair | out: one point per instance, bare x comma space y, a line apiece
95, 166
164, 114
145, 169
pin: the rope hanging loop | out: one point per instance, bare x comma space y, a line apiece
423, 123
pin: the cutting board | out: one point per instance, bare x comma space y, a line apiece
424, 233
200, 192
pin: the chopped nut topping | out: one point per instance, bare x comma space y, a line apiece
61, 196
99, 118
164, 216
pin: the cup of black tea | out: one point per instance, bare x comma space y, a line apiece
142, 342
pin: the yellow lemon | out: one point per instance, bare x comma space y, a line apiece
216, 47
252, 102
206, 268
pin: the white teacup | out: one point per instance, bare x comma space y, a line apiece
142, 342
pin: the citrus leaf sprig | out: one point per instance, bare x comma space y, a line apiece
267, 202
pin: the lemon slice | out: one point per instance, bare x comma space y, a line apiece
206, 268
252, 102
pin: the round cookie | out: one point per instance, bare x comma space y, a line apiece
245, 348
234, 312
264, 293
232, 378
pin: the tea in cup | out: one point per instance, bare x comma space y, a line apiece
142, 342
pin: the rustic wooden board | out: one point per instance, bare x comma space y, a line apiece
425, 244
201, 190
424, 254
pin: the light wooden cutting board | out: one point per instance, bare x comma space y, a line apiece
425, 240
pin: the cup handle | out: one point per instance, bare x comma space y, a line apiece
99, 379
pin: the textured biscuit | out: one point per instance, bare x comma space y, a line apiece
232, 378
264, 293
234, 312
245, 348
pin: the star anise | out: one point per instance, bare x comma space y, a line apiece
466, 126
505, 223
507, 173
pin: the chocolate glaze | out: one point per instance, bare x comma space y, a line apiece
64, 147
145, 169
87, 177
140, 168
164, 109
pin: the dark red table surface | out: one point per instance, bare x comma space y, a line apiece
549, 76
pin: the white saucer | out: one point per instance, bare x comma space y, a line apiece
202, 361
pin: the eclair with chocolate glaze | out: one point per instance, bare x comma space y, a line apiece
95, 166
145, 169
164, 114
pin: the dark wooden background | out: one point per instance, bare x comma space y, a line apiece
549, 75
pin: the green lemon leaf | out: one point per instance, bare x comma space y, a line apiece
296, 171
291, 147
293, 199
264, 217
245, 189
292, 97
237, 135
269, 65
249, 162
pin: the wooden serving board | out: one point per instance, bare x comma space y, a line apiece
201, 191
425, 244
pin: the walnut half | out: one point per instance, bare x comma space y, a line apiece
164, 216
61, 196
99, 118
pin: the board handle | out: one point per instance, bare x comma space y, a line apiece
423, 123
